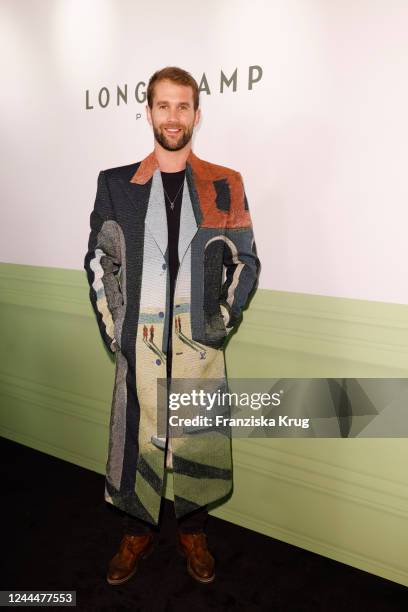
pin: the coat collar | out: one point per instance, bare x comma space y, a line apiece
190, 216
149, 165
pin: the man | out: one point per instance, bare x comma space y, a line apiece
162, 232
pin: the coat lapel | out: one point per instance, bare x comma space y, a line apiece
188, 223
156, 216
156, 213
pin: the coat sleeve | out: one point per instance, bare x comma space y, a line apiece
240, 259
102, 263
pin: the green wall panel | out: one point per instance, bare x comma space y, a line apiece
345, 499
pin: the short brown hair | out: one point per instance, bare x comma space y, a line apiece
176, 75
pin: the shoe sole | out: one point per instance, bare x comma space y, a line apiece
192, 573
146, 554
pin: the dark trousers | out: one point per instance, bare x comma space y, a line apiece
190, 523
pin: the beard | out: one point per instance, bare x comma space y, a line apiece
173, 145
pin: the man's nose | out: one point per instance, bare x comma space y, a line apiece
173, 114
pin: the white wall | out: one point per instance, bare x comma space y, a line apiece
321, 139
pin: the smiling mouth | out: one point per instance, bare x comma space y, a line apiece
172, 131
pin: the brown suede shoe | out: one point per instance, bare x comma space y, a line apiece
124, 564
200, 562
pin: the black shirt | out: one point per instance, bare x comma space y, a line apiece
173, 186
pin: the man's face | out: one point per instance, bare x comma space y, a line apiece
172, 115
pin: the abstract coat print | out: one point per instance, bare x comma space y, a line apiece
127, 270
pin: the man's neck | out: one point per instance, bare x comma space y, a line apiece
171, 161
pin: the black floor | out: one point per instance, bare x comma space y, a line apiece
59, 533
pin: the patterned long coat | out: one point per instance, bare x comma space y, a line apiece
127, 270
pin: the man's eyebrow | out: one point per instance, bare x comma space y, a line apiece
166, 102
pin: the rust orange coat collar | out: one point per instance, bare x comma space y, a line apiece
205, 175
150, 164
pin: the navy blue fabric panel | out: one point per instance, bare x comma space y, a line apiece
223, 199
130, 214
198, 470
129, 502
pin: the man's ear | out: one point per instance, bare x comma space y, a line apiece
197, 117
148, 114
